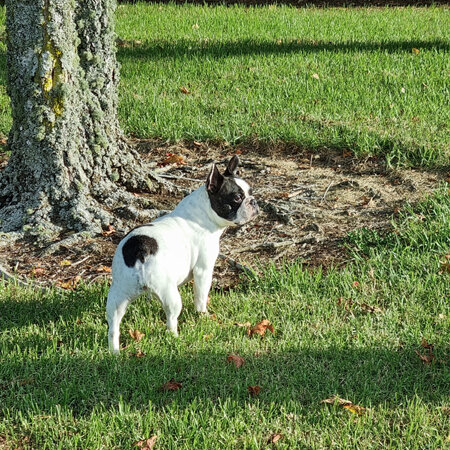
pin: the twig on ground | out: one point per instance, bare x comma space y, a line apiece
235, 265
295, 193
80, 261
326, 191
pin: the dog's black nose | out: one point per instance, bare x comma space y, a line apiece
254, 205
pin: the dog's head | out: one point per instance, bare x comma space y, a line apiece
230, 196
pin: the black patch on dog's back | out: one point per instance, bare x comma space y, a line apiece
138, 247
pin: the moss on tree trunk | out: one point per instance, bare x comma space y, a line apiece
68, 155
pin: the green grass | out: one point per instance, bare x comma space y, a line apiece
251, 76
251, 73
59, 388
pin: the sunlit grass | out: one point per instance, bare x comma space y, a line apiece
346, 78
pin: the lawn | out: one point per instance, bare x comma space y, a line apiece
351, 332
345, 78
371, 80
333, 78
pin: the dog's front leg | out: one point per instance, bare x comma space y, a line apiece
171, 303
202, 285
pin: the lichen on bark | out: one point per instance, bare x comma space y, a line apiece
69, 166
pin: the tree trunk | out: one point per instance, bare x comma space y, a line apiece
68, 155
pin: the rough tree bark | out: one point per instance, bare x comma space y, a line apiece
68, 155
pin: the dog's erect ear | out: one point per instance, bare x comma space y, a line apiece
231, 170
214, 180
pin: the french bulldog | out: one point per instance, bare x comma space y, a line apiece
178, 247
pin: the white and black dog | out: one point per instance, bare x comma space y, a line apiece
180, 246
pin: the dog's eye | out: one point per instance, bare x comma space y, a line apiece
237, 198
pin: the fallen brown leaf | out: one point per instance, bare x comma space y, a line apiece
237, 360
416, 51
109, 230
38, 272
347, 404
254, 390
274, 438
102, 269
171, 385
172, 158
347, 153
185, 90
70, 284
136, 335
425, 344
427, 359
261, 328
146, 444
139, 354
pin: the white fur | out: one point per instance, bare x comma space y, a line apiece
243, 185
188, 246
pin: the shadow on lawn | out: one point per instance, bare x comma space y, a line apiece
81, 383
81, 379
40, 308
368, 376
157, 49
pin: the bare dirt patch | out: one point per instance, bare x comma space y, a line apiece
309, 202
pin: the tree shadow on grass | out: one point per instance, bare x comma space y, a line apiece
23, 307
79, 374
182, 48
368, 376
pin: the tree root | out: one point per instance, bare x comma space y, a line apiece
6, 276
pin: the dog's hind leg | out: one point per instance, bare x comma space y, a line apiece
116, 305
